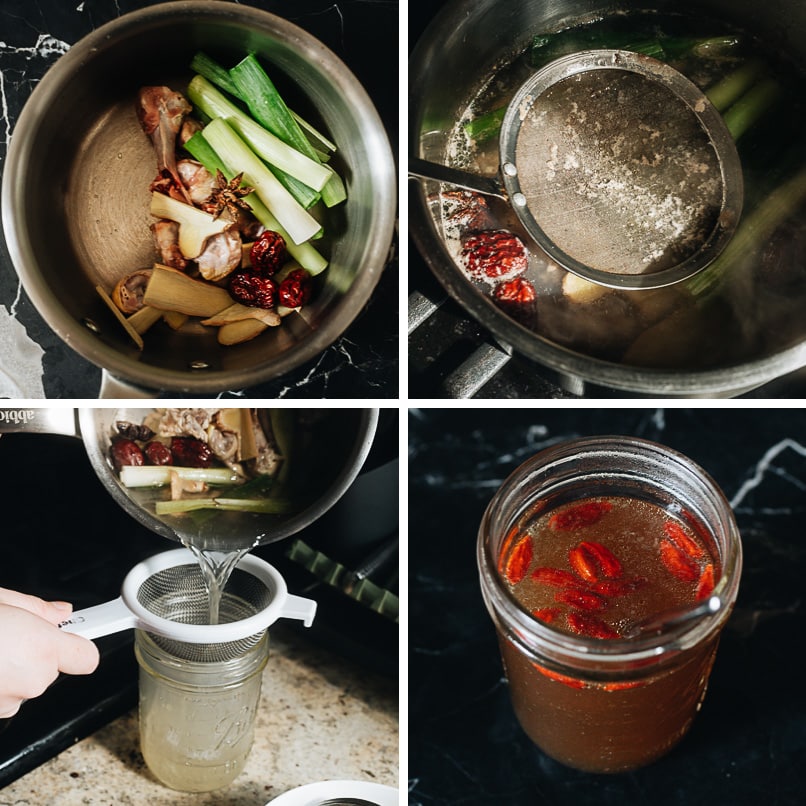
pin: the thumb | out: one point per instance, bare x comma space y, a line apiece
76, 655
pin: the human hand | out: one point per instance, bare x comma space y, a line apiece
33, 650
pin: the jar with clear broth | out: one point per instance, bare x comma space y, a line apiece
197, 716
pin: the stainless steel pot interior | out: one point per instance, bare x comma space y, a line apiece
75, 190
472, 40
357, 427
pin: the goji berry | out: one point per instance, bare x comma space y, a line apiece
621, 686
618, 587
494, 253
583, 563
608, 563
581, 599
546, 614
555, 577
518, 561
677, 563
580, 515
591, 626
684, 542
705, 587
573, 682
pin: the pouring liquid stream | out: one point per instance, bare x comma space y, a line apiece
216, 568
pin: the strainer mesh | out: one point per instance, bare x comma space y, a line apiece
179, 594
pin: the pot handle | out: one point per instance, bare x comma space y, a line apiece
34, 420
485, 362
113, 388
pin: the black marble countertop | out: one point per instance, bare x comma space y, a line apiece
748, 743
362, 363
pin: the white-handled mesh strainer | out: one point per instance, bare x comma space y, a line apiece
166, 596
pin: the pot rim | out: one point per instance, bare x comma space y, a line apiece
118, 362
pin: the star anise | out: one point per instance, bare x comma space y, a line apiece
228, 195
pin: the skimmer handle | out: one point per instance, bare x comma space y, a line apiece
102, 619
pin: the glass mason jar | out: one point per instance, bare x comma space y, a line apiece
197, 716
607, 705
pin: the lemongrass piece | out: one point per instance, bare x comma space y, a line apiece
238, 312
237, 156
195, 226
267, 506
143, 319
203, 95
172, 290
160, 475
237, 332
133, 334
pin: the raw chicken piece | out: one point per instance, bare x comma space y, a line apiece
166, 239
221, 255
161, 112
198, 181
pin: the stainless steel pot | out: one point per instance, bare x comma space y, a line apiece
95, 427
75, 191
467, 42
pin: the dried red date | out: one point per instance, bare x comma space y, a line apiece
295, 290
268, 252
126, 452
494, 253
518, 291
190, 452
253, 290
158, 453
